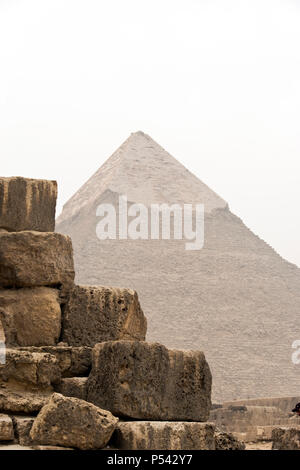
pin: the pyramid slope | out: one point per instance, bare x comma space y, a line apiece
236, 299
141, 169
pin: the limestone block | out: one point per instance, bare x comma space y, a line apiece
70, 422
75, 387
94, 314
30, 316
6, 428
33, 370
150, 382
27, 204
23, 425
72, 361
31, 259
163, 435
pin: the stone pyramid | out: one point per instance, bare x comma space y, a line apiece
236, 299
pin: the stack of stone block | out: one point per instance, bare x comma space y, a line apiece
78, 372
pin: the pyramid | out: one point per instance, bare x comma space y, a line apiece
236, 299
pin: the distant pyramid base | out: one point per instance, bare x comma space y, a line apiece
236, 299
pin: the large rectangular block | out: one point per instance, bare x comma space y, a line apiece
30, 316
31, 259
31, 370
27, 204
94, 314
148, 381
163, 435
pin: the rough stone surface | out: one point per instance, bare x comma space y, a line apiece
147, 381
70, 422
30, 316
22, 426
286, 439
226, 441
26, 369
31, 259
27, 204
163, 435
73, 387
6, 428
22, 401
94, 314
72, 361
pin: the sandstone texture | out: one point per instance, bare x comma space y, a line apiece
27, 204
226, 441
147, 381
32, 259
72, 361
286, 439
32, 370
94, 314
6, 428
73, 387
70, 422
160, 435
30, 316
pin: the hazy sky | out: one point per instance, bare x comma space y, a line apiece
215, 82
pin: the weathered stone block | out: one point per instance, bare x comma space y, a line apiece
27, 204
22, 401
6, 428
147, 381
72, 361
286, 439
22, 426
32, 259
163, 435
94, 314
70, 422
29, 369
30, 316
75, 387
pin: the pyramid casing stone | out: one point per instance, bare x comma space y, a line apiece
30, 316
32, 259
148, 381
27, 204
71, 422
94, 314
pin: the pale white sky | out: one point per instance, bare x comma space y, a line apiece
215, 82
